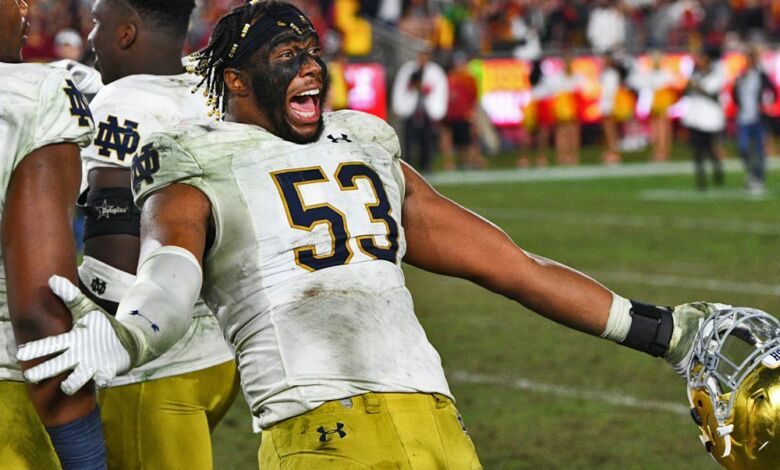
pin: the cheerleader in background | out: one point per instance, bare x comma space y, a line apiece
660, 83
566, 90
617, 105
538, 116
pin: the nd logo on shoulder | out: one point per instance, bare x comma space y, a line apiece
122, 140
78, 104
145, 165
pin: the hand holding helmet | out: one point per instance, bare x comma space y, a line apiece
734, 387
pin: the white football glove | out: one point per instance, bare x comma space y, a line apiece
687, 321
98, 346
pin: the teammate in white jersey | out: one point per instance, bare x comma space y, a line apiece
311, 217
43, 122
160, 414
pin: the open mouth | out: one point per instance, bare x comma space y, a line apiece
305, 107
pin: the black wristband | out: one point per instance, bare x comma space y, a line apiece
651, 328
110, 211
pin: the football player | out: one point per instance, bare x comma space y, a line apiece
159, 415
43, 122
311, 215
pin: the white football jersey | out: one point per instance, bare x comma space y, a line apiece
126, 112
304, 274
132, 108
87, 79
39, 105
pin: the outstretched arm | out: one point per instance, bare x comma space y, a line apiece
446, 238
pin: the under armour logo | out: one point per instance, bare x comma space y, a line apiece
336, 140
145, 165
325, 432
98, 286
136, 313
111, 137
78, 104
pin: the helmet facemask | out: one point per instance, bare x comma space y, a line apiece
734, 387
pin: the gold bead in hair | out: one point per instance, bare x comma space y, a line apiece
245, 30
233, 50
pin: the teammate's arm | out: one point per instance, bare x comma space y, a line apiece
37, 241
445, 238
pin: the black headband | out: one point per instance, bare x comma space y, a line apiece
254, 36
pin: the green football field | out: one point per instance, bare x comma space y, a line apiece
538, 396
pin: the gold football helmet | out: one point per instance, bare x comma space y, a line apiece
734, 388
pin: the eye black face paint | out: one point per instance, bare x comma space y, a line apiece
270, 84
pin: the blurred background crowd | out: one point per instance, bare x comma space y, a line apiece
523, 28
477, 83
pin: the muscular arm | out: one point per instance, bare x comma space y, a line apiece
37, 241
177, 215
445, 238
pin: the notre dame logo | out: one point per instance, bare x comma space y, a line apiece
112, 137
78, 104
145, 165
98, 286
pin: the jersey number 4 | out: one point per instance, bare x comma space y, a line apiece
305, 217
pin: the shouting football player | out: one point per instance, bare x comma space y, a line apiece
293, 224
43, 121
159, 415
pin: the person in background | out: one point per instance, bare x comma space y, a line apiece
656, 86
69, 45
610, 79
704, 116
566, 88
606, 26
752, 88
458, 146
420, 99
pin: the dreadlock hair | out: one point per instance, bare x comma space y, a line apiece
210, 62
171, 16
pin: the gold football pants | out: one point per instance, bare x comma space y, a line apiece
372, 431
166, 423
24, 442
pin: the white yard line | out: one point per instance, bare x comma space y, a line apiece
621, 220
674, 281
602, 396
686, 282
583, 172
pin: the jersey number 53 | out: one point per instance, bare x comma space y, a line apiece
307, 217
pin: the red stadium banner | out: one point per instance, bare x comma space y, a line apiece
505, 91
366, 88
